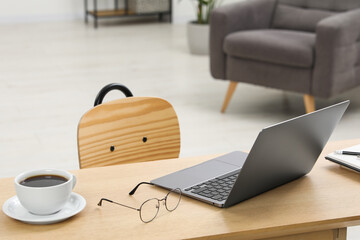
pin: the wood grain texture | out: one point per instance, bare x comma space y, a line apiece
332, 234
137, 129
110, 13
309, 102
327, 198
229, 93
337, 234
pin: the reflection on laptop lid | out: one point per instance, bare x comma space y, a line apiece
281, 153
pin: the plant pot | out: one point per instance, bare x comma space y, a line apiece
198, 38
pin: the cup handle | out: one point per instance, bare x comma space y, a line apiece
74, 181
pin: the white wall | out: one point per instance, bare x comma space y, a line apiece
40, 10
12, 11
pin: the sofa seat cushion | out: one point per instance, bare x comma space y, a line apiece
285, 47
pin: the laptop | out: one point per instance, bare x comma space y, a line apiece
281, 153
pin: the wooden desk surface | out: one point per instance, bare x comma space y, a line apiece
327, 198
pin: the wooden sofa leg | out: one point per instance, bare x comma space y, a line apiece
230, 91
309, 102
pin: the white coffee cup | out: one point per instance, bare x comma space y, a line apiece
44, 200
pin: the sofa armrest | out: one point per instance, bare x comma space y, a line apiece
250, 14
337, 54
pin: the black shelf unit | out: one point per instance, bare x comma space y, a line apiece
117, 12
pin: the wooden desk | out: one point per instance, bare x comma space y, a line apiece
318, 206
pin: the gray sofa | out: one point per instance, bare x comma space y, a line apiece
306, 46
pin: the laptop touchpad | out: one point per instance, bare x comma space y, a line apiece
209, 170
202, 172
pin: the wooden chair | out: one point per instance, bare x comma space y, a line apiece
128, 130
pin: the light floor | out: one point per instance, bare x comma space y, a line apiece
50, 74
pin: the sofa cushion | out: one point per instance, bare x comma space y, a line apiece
285, 47
295, 18
330, 5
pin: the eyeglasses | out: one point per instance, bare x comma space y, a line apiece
150, 208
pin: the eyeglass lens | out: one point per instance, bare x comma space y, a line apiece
172, 199
150, 208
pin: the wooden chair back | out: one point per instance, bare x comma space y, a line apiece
128, 130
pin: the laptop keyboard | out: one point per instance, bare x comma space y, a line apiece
217, 189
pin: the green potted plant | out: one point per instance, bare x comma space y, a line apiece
198, 31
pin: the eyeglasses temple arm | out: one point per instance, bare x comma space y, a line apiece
108, 200
135, 188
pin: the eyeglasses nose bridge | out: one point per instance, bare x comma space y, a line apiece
163, 201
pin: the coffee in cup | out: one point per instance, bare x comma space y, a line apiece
44, 192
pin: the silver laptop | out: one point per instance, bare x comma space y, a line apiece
281, 153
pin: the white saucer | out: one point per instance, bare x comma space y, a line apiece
14, 209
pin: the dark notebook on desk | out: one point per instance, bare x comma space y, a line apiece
281, 153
